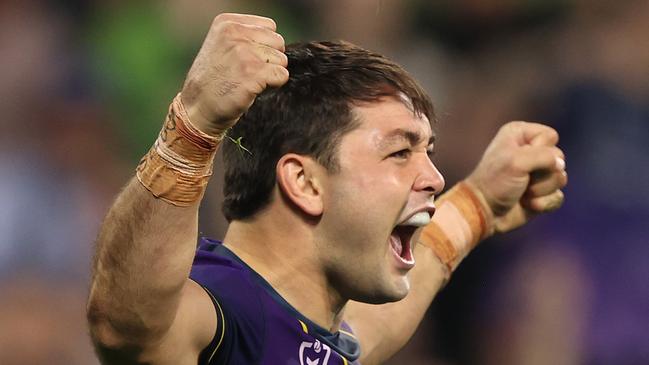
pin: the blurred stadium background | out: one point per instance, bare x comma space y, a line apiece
85, 85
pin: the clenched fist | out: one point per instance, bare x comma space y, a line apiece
521, 174
241, 56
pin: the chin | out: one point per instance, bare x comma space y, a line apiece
401, 289
387, 293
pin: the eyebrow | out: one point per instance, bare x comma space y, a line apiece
413, 138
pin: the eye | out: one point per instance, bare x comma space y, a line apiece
430, 153
402, 154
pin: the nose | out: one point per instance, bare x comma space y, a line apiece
429, 178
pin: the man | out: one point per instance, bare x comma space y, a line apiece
327, 178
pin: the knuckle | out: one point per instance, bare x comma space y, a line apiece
280, 73
272, 23
515, 124
283, 59
280, 39
251, 67
554, 135
255, 87
505, 127
230, 28
544, 155
220, 18
284, 73
244, 54
550, 156
239, 50
510, 128
564, 180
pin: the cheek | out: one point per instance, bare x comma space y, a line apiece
369, 204
380, 184
362, 206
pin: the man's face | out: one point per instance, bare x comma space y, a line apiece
373, 204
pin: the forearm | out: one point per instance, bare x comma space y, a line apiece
143, 257
148, 239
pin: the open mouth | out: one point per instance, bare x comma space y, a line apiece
401, 237
400, 241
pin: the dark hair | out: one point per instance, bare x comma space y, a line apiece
308, 115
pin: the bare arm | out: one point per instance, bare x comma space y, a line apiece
144, 253
142, 306
518, 177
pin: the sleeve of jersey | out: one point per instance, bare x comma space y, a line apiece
240, 321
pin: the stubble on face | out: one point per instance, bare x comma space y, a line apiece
366, 199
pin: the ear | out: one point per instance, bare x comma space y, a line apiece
298, 178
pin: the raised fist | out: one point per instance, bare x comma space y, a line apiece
241, 56
521, 174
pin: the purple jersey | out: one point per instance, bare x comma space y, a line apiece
255, 324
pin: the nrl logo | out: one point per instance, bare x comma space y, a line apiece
314, 353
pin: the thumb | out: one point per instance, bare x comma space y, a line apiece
536, 134
541, 135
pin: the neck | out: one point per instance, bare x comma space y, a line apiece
284, 254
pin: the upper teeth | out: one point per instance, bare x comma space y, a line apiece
418, 220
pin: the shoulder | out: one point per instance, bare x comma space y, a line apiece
237, 302
224, 277
258, 325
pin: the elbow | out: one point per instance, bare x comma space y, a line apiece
118, 321
102, 332
116, 330
111, 346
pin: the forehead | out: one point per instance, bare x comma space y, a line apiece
391, 119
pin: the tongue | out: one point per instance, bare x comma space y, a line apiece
395, 242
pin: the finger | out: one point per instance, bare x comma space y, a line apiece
263, 36
270, 55
529, 132
531, 158
275, 75
559, 167
257, 20
544, 136
544, 204
547, 184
